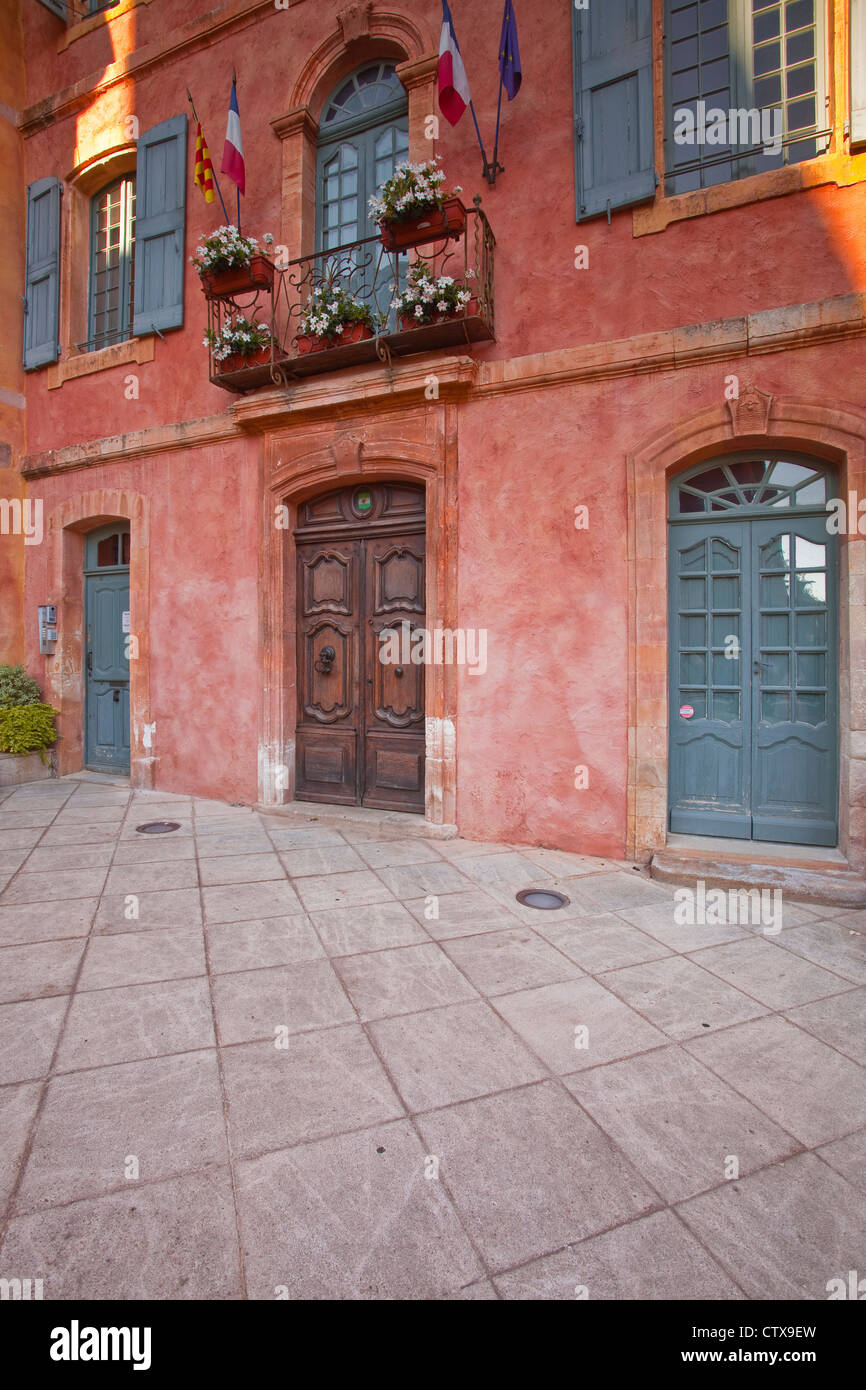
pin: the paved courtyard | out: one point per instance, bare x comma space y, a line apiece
300, 1057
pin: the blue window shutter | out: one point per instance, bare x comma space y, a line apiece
857, 22
42, 276
160, 219
613, 105
57, 7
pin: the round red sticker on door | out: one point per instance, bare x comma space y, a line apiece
687, 711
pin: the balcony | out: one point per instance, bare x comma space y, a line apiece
369, 272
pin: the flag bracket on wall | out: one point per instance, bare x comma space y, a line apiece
453, 84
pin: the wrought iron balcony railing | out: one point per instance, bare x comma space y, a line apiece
372, 275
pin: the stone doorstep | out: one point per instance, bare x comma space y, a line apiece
329, 814
18, 768
811, 881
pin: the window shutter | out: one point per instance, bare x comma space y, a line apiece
57, 7
160, 192
613, 105
42, 276
857, 24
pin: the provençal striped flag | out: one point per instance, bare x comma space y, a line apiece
203, 166
233, 149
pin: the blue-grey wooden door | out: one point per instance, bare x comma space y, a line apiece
753, 679
107, 666
794, 682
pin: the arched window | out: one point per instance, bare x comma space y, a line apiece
363, 134
112, 238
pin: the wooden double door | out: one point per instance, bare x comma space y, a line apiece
360, 596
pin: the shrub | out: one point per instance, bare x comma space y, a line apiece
16, 687
25, 728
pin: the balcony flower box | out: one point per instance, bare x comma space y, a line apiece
237, 361
432, 225
238, 279
229, 263
240, 342
320, 342
412, 206
408, 321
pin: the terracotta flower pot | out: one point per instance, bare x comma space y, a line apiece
408, 321
447, 221
258, 275
239, 360
349, 333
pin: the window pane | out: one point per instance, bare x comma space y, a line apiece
106, 551
798, 13
768, 58
801, 114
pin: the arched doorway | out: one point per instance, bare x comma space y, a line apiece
360, 572
106, 654
753, 648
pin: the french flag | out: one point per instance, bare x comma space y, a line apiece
454, 94
233, 149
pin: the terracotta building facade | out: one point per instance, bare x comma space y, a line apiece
612, 494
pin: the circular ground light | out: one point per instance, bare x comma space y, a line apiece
544, 898
158, 827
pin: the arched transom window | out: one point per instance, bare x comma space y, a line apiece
750, 481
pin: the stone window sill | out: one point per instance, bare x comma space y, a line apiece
85, 363
839, 169
80, 27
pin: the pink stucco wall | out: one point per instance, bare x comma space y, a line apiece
553, 600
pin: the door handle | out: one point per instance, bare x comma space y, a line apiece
759, 666
116, 694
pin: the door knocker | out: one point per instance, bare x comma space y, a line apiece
326, 659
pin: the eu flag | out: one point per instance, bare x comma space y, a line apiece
509, 53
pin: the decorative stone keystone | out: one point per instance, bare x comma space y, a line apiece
750, 412
355, 22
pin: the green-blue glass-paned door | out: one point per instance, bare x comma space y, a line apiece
107, 617
753, 674
363, 135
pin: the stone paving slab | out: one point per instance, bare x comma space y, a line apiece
334, 1058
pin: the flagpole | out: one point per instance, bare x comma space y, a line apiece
496, 164
237, 189
213, 170
480, 141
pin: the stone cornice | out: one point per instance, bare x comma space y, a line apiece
364, 388
378, 388
769, 330
202, 32
157, 439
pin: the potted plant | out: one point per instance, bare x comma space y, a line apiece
229, 263
26, 728
432, 299
241, 342
333, 318
412, 208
